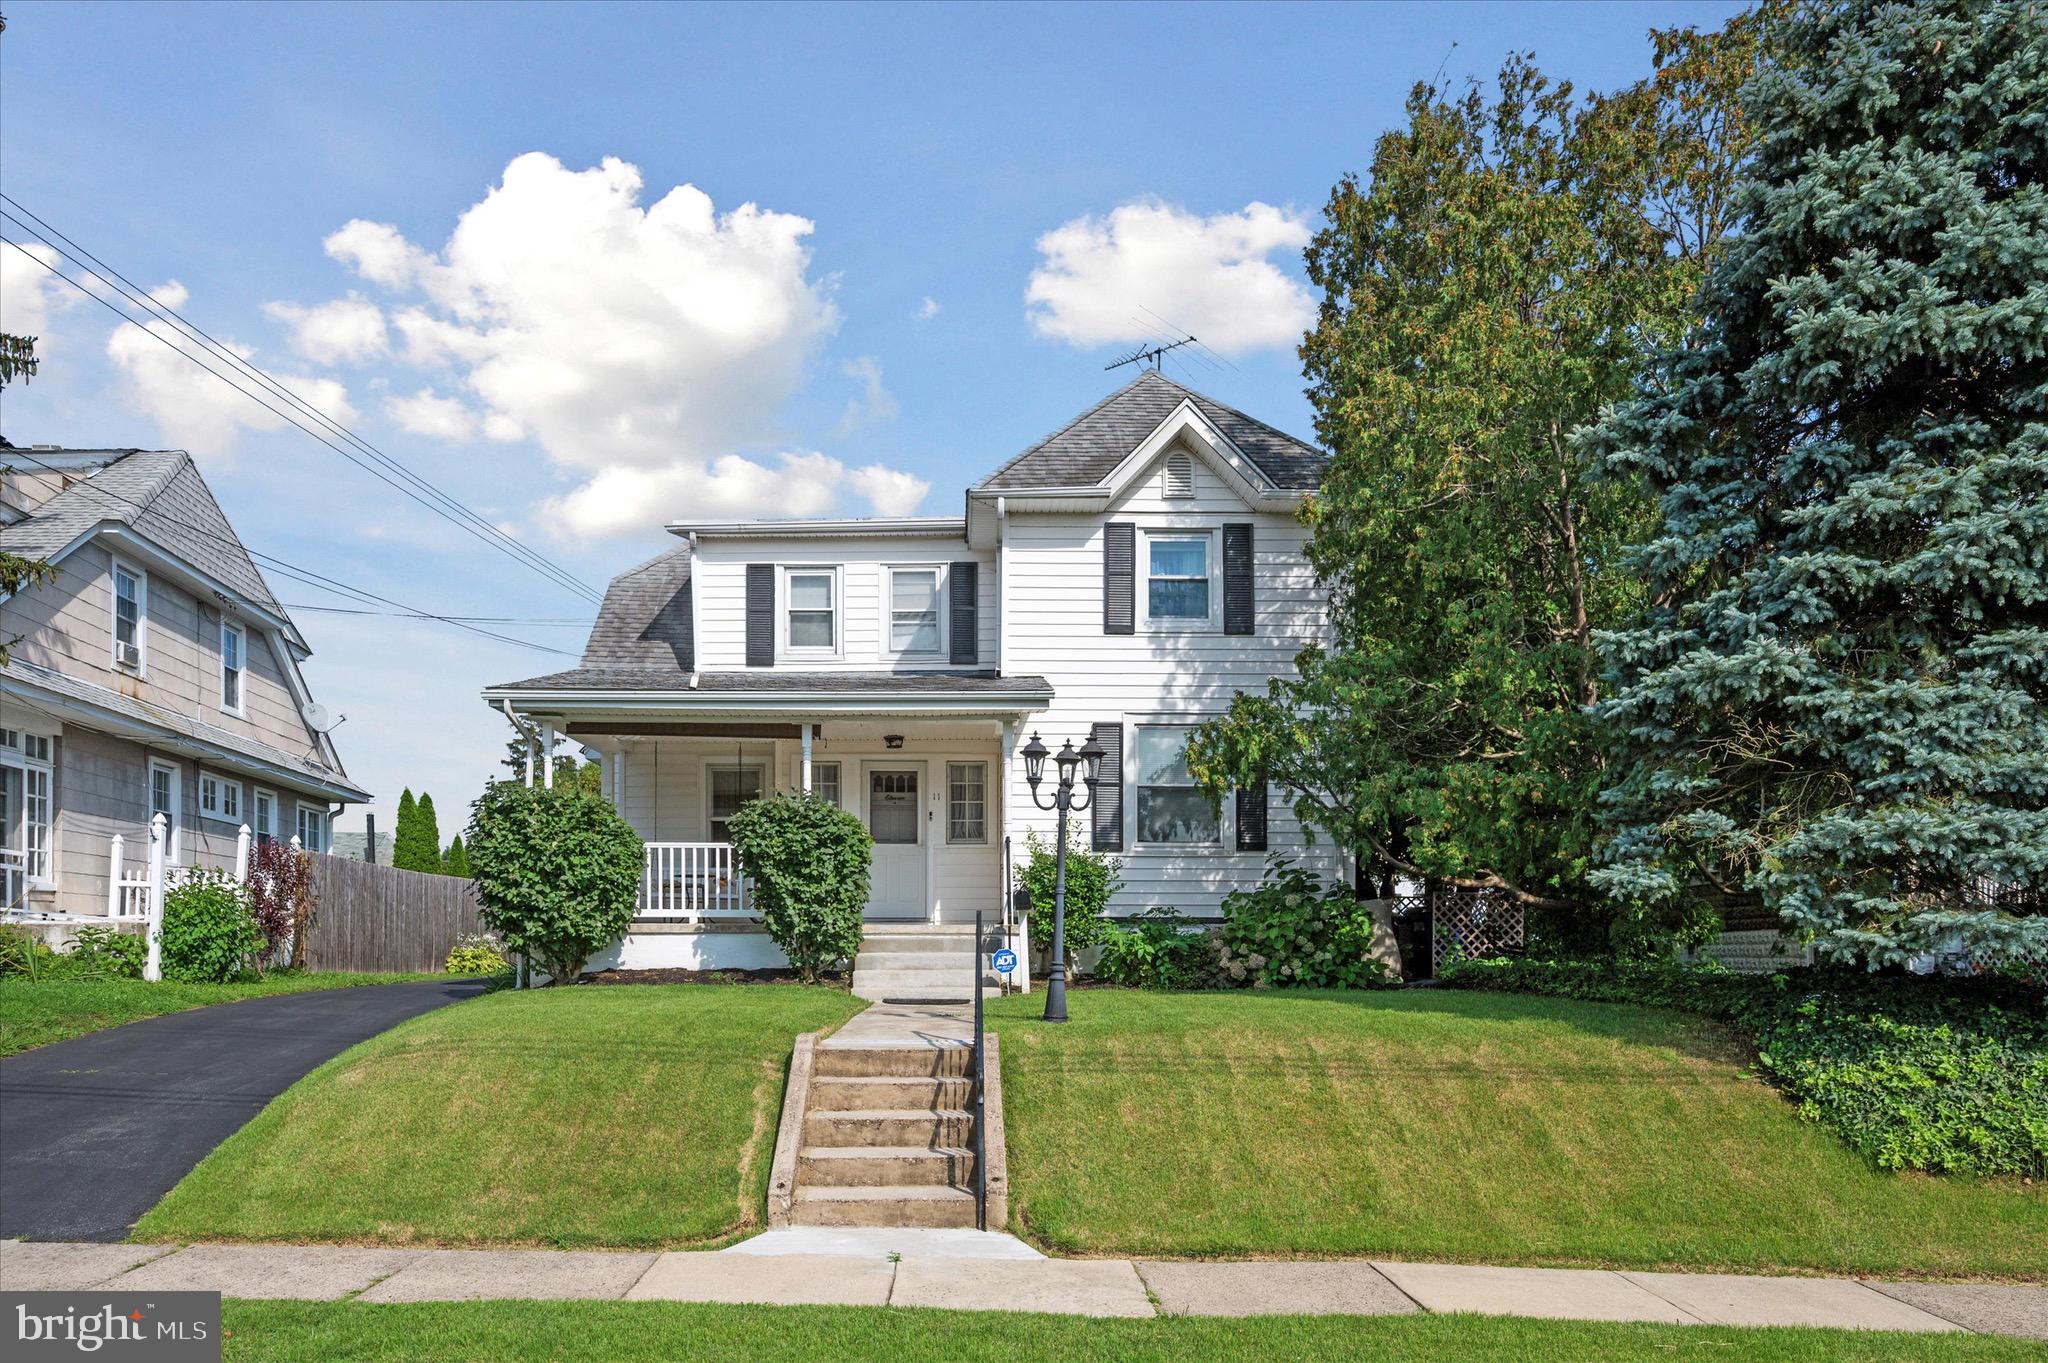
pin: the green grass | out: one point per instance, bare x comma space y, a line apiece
659, 1332
1478, 1127
38, 1012
636, 1116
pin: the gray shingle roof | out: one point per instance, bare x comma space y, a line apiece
645, 618
1087, 449
770, 681
160, 494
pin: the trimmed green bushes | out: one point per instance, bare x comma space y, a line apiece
1091, 879
1295, 930
209, 934
809, 862
1937, 1074
1160, 949
557, 872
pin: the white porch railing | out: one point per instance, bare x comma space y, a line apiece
692, 880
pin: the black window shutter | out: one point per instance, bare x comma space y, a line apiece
1238, 606
1251, 817
963, 583
1106, 815
1119, 578
760, 615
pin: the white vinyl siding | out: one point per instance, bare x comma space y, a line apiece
1053, 604
861, 569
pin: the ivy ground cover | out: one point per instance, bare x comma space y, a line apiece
636, 1116
1433, 1124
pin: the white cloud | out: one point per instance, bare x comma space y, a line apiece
927, 310
648, 349
875, 403
29, 293
1214, 275
428, 413
346, 331
191, 408
891, 492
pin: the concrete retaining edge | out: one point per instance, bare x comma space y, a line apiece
789, 1134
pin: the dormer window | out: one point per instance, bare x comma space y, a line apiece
810, 600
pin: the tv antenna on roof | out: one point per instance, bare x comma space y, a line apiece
1148, 352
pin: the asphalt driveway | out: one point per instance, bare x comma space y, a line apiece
94, 1130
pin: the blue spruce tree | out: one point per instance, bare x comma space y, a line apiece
1837, 698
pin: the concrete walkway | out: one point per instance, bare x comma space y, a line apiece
95, 1130
962, 1276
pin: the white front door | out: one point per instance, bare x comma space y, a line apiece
895, 813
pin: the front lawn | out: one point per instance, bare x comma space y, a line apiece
656, 1332
38, 1012
1460, 1126
635, 1116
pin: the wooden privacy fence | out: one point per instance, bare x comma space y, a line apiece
372, 917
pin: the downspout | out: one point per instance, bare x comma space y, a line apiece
696, 639
1002, 582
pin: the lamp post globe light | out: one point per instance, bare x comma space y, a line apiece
1064, 802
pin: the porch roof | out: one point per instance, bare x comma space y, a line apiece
642, 688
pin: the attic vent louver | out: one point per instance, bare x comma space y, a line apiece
1180, 476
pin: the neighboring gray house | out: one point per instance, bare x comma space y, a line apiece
156, 673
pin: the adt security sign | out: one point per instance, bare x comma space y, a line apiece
1004, 961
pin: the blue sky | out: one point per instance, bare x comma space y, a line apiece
958, 216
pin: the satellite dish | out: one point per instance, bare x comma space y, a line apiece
317, 716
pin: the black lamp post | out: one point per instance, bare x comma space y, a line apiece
1064, 802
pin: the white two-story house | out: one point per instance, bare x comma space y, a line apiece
1120, 579
154, 673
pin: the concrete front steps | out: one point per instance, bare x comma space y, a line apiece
888, 1136
921, 963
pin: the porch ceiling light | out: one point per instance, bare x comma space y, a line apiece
892, 741
1034, 762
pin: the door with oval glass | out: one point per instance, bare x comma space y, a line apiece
895, 814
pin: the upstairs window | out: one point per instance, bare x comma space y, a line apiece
231, 646
1177, 588
915, 624
131, 615
813, 610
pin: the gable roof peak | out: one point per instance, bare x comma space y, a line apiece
1090, 447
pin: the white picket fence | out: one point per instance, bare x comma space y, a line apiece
136, 890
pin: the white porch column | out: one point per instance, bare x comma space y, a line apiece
547, 753
153, 925
807, 756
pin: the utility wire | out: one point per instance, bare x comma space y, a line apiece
389, 471
305, 576
461, 619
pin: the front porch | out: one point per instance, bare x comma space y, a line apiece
930, 793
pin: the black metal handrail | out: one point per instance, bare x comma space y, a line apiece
980, 1092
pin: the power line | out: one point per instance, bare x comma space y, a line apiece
305, 576
459, 619
413, 485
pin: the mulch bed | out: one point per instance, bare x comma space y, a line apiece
779, 975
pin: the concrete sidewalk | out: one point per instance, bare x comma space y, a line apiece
963, 1276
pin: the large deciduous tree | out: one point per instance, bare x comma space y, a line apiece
1836, 699
1491, 287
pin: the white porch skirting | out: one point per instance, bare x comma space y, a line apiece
660, 947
